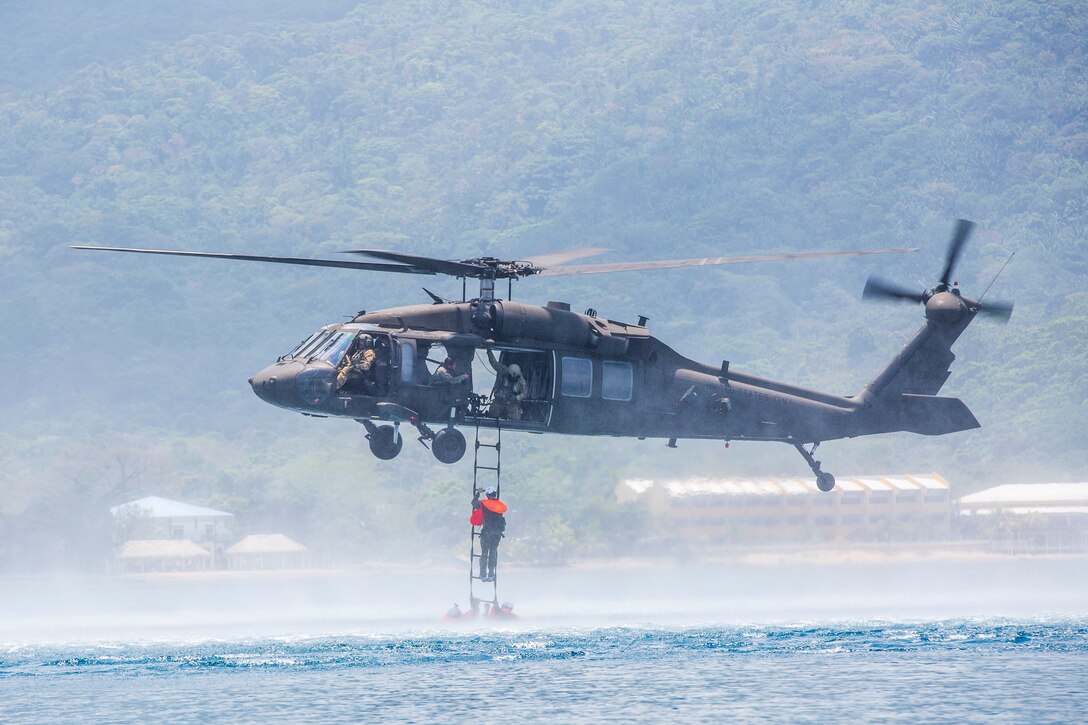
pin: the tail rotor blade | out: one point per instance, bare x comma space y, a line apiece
955, 248
879, 289
1000, 310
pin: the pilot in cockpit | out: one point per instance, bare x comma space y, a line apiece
356, 371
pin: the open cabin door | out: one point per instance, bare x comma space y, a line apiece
522, 401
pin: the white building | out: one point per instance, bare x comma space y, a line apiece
154, 517
1029, 517
768, 510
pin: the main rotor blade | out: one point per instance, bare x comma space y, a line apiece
543, 261
877, 288
1000, 310
343, 264
438, 266
955, 247
706, 262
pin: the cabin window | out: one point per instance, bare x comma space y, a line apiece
407, 362
577, 377
617, 380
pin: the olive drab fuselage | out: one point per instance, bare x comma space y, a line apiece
590, 377
580, 375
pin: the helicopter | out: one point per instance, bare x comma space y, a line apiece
578, 374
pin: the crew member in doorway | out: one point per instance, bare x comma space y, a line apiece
510, 389
355, 371
446, 374
488, 515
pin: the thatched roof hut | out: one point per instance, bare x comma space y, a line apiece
267, 551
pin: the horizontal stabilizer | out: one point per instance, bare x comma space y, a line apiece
929, 415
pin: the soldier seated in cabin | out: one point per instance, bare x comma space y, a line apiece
448, 373
381, 372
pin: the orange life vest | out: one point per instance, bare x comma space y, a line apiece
494, 505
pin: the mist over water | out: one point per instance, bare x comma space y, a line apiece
455, 130
801, 640
165, 607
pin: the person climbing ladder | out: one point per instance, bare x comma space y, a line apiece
488, 515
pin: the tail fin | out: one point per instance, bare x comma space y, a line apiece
900, 397
922, 366
924, 414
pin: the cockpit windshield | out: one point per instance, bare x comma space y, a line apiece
332, 351
297, 352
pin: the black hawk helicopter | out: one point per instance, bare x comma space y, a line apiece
560, 371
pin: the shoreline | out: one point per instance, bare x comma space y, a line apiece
755, 557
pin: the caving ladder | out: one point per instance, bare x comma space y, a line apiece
486, 470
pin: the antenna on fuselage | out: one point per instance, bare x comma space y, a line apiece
1006, 264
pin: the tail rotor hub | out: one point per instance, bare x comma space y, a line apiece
943, 301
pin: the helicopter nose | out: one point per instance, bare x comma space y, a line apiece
276, 383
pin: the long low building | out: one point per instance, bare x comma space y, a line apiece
764, 510
1029, 517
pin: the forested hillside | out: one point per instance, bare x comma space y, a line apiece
459, 128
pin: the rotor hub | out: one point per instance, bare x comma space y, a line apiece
945, 307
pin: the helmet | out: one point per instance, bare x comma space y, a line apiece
491, 492
514, 371
366, 341
508, 606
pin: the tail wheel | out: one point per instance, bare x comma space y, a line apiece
448, 445
385, 443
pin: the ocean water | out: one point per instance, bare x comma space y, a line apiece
974, 670
912, 640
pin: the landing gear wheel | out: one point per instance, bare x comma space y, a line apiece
385, 443
825, 481
448, 445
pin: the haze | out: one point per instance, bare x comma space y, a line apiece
658, 132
